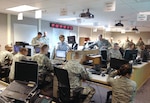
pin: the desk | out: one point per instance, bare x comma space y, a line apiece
3, 86
140, 75
96, 58
71, 55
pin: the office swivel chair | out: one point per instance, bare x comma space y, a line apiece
108, 99
104, 59
64, 88
4, 73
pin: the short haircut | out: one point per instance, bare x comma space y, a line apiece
44, 47
116, 44
8, 46
23, 49
39, 33
61, 36
125, 69
100, 35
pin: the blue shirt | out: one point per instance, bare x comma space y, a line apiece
63, 46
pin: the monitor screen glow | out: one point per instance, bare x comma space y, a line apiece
60, 54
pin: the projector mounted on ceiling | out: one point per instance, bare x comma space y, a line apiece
119, 24
87, 15
135, 29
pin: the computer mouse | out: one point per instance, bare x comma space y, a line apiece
103, 75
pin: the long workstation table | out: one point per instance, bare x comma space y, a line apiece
141, 73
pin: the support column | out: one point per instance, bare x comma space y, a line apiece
39, 25
9, 36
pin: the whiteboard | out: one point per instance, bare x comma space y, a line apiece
25, 33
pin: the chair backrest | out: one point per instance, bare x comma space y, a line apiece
104, 55
63, 83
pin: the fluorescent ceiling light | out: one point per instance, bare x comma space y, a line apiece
22, 8
145, 13
67, 19
123, 31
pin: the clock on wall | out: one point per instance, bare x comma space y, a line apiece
61, 26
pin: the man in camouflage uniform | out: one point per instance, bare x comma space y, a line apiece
123, 88
102, 43
77, 72
44, 65
114, 52
37, 42
21, 55
6, 56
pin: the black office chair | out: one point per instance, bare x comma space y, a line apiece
4, 73
64, 87
104, 59
108, 99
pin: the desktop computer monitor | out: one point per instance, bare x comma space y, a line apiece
130, 54
26, 71
37, 49
74, 46
117, 63
60, 54
71, 39
16, 48
29, 52
145, 55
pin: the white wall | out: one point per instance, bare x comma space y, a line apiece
24, 32
3, 30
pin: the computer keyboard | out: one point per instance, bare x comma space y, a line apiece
19, 87
2, 100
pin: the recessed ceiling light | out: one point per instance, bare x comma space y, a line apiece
22, 8
67, 19
145, 13
123, 31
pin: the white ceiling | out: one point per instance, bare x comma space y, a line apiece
51, 11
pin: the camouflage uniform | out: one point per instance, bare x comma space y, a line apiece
102, 44
45, 67
36, 41
126, 44
115, 54
18, 57
76, 71
62, 46
123, 89
5, 57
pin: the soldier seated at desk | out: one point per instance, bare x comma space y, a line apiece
123, 89
45, 67
76, 73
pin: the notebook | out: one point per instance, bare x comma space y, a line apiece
25, 81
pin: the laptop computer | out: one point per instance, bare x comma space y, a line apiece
60, 57
25, 81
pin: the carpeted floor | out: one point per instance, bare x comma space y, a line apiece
142, 95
